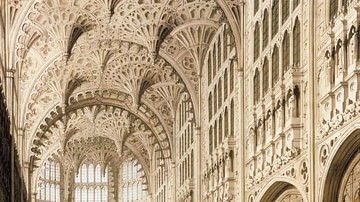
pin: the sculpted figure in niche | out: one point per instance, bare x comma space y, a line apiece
268, 166
216, 174
259, 140
278, 118
352, 47
212, 178
221, 164
228, 165
268, 125
251, 142
278, 153
207, 182
251, 173
249, 146
290, 106
340, 65
259, 174
330, 68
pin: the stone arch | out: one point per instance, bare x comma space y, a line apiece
347, 192
344, 151
279, 188
53, 150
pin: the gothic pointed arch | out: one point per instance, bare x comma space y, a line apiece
339, 166
281, 189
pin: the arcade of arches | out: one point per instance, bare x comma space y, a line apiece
179, 100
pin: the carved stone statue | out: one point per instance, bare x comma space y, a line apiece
352, 48
259, 137
340, 65
330, 68
268, 125
292, 106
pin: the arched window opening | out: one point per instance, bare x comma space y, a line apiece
232, 76
213, 61
285, 8
48, 184
215, 99
226, 83
210, 140
265, 29
256, 87
225, 43
275, 66
226, 122
275, 18
132, 184
296, 43
286, 52
219, 94
219, 53
256, 41
265, 77
209, 70
192, 164
215, 135
91, 183
220, 130
232, 114
210, 105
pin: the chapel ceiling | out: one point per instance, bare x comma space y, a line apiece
82, 63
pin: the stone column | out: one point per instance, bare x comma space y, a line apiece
197, 164
33, 197
116, 182
68, 184
9, 93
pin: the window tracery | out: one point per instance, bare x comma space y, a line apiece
232, 76
256, 41
220, 92
275, 66
270, 77
159, 178
285, 10
220, 128
185, 138
210, 105
91, 183
286, 52
274, 18
226, 84
132, 186
290, 195
49, 181
265, 76
226, 123
256, 87
265, 33
296, 43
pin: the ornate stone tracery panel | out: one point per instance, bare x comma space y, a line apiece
350, 185
88, 165
291, 195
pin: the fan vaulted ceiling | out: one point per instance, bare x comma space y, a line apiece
108, 68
